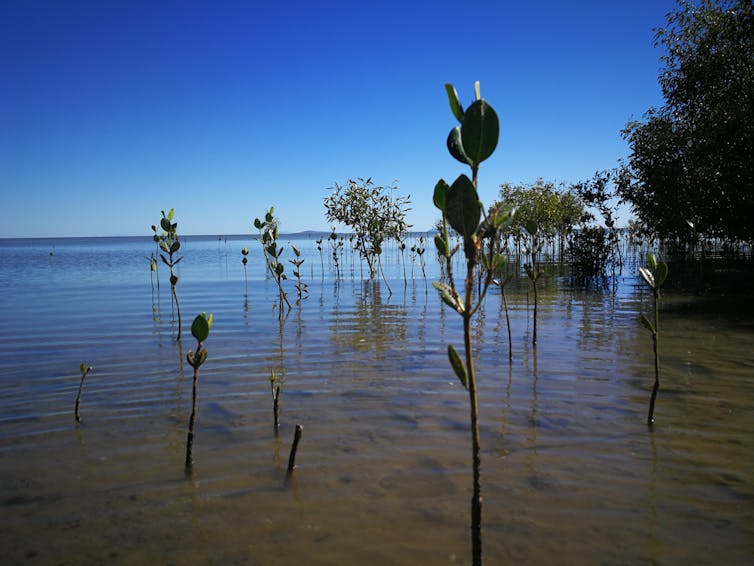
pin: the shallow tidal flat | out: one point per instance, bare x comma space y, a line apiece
570, 472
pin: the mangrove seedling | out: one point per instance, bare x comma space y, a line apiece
502, 278
152, 271
156, 238
473, 141
199, 330
170, 244
335, 246
85, 369
269, 232
244, 261
301, 287
654, 274
533, 272
321, 257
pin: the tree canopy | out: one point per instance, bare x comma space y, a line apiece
691, 161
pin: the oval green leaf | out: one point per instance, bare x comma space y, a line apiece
479, 132
441, 191
455, 103
455, 146
462, 206
200, 327
661, 272
458, 367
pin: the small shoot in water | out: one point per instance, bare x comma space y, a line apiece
533, 248
199, 330
244, 261
301, 287
85, 369
276, 386
654, 273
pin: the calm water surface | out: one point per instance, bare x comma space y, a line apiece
570, 473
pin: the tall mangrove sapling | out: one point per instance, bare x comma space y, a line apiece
473, 141
170, 244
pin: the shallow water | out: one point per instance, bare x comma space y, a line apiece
570, 473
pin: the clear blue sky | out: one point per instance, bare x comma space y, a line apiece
113, 110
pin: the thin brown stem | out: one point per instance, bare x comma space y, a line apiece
294, 447
192, 421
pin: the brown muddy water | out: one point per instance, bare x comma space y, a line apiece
570, 472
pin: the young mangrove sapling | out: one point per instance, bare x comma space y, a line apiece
199, 330
170, 244
654, 274
470, 143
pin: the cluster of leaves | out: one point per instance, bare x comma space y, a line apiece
269, 232
554, 212
301, 288
371, 212
693, 156
168, 241
589, 249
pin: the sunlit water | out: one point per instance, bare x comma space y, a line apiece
570, 472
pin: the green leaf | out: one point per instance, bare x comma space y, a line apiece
175, 247
440, 194
442, 247
165, 224
648, 276
449, 297
200, 327
646, 324
498, 263
458, 367
455, 146
651, 261
661, 272
258, 224
455, 103
531, 227
504, 216
462, 206
479, 132
171, 213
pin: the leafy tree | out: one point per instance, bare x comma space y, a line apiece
372, 213
554, 212
691, 169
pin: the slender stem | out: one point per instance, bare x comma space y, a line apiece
294, 448
476, 498
276, 405
656, 350
192, 420
178, 308
534, 338
78, 397
507, 322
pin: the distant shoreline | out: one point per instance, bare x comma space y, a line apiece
305, 234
